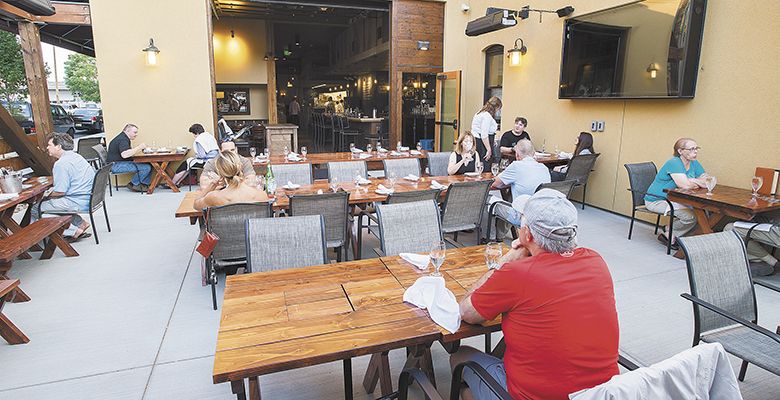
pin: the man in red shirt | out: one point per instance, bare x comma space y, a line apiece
557, 305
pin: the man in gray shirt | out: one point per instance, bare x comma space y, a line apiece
73, 177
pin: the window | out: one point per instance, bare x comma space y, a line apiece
494, 73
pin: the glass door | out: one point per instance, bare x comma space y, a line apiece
447, 120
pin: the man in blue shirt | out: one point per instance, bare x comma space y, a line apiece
72, 189
523, 177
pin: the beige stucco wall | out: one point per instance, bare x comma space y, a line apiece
166, 99
732, 116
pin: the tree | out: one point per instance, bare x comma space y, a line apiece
13, 81
81, 77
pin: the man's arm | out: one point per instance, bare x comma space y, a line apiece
131, 151
467, 311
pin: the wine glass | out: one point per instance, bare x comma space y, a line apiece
438, 252
494, 169
756, 182
368, 148
351, 147
304, 151
391, 179
398, 146
478, 168
252, 152
710, 181
334, 184
493, 253
357, 177
419, 146
286, 153
266, 152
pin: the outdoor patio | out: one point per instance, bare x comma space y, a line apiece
128, 319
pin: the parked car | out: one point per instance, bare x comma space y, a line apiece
88, 119
22, 113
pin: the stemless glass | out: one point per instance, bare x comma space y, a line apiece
334, 184
398, 146
304, 151
493, 253
419, 146
266, 152
252, 152
494, 169
438, 252
351, 147
391, 179
478, 168
368, 148
756, 182
357, 176
710, 181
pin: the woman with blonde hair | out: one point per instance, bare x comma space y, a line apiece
484, 127
464, 157
231, 178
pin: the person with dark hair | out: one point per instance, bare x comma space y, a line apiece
120, 153
205, 147
484, 127
584, 145
510, 138
73, 177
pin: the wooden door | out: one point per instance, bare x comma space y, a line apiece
447, 110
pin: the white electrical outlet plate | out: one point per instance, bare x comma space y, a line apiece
600, 126
594, 126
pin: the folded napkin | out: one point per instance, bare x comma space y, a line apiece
261, 160
365, 155
356, 150
566, 155
418, 260
415, 152
412, 177
429, 292
395, 153
291, 185
436, 185
382, 150
381, 189
363, 181
319, 191
403, 148
540, 154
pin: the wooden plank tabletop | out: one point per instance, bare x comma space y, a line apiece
159, 157
726, 200
357, 195
38, 185
324, 158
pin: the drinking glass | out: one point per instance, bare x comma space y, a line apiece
438, 252
756, 182
252, 152
334, 184
494, 169
710, 181
286, 153
368, 148
478, 168
266, 152
391, 179
419, 146
351, 147
493, 253
357, 178
398, 146
304, 151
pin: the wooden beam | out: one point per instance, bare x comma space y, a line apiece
68, 14
34, 68
271, 70
9, 9
14, 136
212, 71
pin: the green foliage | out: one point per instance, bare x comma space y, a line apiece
13, 82
81, 77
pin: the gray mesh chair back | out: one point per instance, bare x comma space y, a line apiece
463, 206
345, 171
228, 222
86, 148
334, 208
101, 152
564, 187
402, 167
438, 163
409, 197
640, 177
718, 273
299, 174
98, 197
579, 171
408, 227
281, 243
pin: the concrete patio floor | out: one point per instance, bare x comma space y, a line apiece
128, 319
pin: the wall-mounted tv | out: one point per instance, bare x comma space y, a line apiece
643, 49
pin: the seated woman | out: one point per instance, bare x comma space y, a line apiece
205, 147
682, 172
229, 169
584, 145
464, 157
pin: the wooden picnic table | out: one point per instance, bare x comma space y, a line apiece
31, 194
287, 319
724, 201
357, 195
159, 163
374, 161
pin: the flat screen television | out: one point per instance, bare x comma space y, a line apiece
644, 49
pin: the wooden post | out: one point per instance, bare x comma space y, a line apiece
36, 80
271, 70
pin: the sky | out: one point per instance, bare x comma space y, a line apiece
48, 57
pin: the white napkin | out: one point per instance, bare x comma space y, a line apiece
412, 177
418, 260
540, 154
364, 155
403, 148
381, 189
566, 155
429, 292
436, 185
415, 152
382, 150
261, 160
291, 185
319, 191
293, 157
395, 153
356, 150
363, 181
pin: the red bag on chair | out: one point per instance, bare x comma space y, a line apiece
207, 244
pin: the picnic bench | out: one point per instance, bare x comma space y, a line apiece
10, 332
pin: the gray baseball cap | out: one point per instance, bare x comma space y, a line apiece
549, 214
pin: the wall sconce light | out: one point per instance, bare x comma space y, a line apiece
232, 34
516, 54
423, 45
151, 53
653, 69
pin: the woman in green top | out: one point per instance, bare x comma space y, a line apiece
682, 172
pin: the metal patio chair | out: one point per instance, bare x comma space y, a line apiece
334, 209
640, 177
282, 243
438, 163
463, 207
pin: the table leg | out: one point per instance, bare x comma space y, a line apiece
706, 223
18, 296
10, 332
155, 176
161, 173
378, 371
237, 387
57, 240
254, 388
348, 379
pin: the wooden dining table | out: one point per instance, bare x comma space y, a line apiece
32, 192
287, 319
159, 163
374, 160
724, 201
360, 194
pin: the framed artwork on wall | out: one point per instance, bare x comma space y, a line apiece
233, 100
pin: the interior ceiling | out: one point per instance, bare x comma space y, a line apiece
327, 13
77, 38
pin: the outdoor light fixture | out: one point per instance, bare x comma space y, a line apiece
516, 55
500, 18
653, 70
151, 53
423, 45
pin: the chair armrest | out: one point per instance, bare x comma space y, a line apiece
484, 376
453, 243
627, 363
493, 206
411, 375
379, 252
724, 313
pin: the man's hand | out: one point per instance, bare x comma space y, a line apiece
488, 154
142, 146
513, 255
